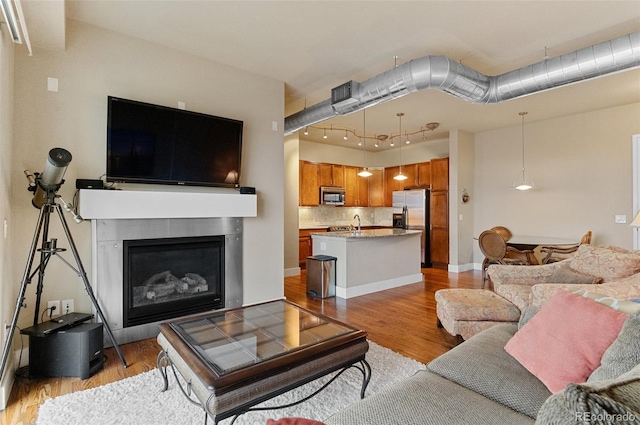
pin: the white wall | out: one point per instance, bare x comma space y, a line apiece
98, 63
8, 284
581, 166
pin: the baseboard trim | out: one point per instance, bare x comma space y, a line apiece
459, 268
9, 376
295, 271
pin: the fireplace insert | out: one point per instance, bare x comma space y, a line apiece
171, 277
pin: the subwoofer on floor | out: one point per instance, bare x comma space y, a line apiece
77, 351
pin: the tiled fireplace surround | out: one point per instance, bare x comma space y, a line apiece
129, 215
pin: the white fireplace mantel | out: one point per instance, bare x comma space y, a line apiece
139, 204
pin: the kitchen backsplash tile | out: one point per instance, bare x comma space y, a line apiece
326, 215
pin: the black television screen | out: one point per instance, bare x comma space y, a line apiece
156, 144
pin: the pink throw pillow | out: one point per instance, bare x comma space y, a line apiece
565, 341
293, 421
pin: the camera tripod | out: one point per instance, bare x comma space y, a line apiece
48, 250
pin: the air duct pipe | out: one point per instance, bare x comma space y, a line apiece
442, 73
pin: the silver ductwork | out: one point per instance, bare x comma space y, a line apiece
442, 73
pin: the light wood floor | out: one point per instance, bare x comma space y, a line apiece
402, 319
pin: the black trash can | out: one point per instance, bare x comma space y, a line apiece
321, 276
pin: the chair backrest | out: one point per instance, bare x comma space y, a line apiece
586, 239
492, 245
502, 231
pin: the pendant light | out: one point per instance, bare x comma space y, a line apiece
400, 176
365, 171
522, 184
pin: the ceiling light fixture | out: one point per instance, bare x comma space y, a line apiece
345, 135
365, 171
325, 134
407, 136
306, 131
522, 185
400, 176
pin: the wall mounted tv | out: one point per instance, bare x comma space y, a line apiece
155, 144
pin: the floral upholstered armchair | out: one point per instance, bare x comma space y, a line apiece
604, 269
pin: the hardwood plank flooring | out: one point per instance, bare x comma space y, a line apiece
402, 319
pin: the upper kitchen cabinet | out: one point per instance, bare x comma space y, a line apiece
376, 188
309, 174
411, 171
390, 184
424, 174
356, 188
331, 175
440, 174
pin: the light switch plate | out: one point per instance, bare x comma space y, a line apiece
621, 219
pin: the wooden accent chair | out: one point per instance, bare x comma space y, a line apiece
496, 251
553, 254
503, 231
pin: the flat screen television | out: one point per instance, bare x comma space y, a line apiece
156, 144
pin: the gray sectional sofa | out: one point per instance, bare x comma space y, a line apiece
478, 383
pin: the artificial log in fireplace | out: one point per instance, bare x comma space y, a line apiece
171, 277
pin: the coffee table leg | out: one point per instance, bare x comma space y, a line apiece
162, 362
363, 366
366, 375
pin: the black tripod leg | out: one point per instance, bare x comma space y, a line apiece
45, 212
87, 285
26, 279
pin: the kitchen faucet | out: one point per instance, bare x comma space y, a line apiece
358, 217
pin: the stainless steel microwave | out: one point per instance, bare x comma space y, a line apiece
331, 195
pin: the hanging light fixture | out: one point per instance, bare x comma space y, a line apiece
325, 134
365, 171
400, 176
345, 137
306, 131
522, 184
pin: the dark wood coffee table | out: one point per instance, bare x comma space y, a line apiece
236, 358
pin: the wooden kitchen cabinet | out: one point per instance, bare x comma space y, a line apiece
376, 188
439, 212
411, 171
309, 175
356, 188
440, 174
331, 175
390, 184
424, 174
305, 250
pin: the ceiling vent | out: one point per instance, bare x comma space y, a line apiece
345, 95
449, 76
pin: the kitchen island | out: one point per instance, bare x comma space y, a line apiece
371, 260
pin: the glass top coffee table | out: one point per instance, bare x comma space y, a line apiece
236, 358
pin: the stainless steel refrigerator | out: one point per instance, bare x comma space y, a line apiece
413, 204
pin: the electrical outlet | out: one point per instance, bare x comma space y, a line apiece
56, 308
67, 306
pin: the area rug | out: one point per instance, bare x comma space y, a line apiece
138, 400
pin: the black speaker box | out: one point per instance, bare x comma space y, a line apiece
247, 190
76, 351
89, 184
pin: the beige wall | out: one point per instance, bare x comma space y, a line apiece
460, 215
581, 166
98, 63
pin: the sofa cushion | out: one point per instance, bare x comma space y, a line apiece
604, 262
481, 365
622, 305
566, 274
566, 340
519, 295
603, 402
623, 355
426, 399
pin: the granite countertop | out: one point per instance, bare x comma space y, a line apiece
372, 233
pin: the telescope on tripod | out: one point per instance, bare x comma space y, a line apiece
45, 188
